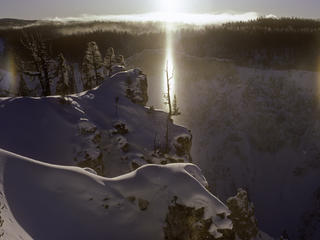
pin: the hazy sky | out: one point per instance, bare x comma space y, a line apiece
38, 9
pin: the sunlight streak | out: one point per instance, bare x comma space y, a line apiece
169, 62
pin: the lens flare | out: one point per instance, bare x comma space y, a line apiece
12, 75
169, 6
169, 66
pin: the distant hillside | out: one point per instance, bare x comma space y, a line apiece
12, 22
285, 43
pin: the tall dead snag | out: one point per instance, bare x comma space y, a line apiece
167, 94
42, 62
173, 106
63, 79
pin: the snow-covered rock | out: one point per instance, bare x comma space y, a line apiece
242, 215
117, 68
137, 89
45, 201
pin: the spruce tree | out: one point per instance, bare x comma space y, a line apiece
92, 66
120, 60
175, 108
72, 80
109, 60
62, 72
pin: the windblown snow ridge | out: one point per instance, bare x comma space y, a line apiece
55, 202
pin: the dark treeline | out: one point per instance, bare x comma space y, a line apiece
278, 43
266, 42
72, 38
275, 24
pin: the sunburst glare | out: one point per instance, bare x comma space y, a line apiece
169, 66
169, 6
169, 73
12, 75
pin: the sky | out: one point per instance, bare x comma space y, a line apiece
42, 9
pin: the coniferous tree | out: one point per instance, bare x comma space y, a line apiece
109, 60
62, 72
72, 80
92, 66
175, 108
120, 60
86, 76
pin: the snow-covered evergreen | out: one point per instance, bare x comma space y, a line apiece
109, 60
63, 86
92, 67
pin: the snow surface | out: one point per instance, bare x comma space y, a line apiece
56, 202
104, 137
77, 128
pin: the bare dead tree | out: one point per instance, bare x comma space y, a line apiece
167, 95
22, 89
62, 73
41, 59
173, 106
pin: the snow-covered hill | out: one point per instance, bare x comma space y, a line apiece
56, 202
108, 129
252, 128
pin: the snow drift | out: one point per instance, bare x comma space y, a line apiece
55, 202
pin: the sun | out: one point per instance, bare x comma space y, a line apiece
169, 6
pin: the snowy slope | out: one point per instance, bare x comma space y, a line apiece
104, 128
55, 202
252, 128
